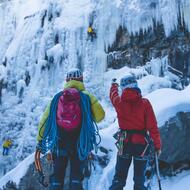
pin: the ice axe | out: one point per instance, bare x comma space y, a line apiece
158, 171
39, 169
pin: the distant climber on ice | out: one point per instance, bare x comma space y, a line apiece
68, 130
136, 118
6, 146
91, 33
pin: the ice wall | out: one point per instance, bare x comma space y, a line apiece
41, 39
31, 29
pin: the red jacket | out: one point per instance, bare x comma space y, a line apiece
135, 112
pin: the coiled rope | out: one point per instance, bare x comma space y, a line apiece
50, 136
89, 135
89, 138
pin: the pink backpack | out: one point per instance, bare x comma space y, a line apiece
69, 115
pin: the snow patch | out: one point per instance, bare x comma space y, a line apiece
168, 102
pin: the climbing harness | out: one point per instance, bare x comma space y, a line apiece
121, 136
152, 157
39, 169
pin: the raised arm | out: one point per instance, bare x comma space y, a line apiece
114, 95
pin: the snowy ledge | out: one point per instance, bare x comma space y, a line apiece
168, 102
17, 173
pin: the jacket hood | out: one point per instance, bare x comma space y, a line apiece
75, 84
131, 95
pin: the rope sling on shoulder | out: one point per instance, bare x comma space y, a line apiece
50, 137
89, 135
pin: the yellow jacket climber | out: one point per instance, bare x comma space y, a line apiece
90, 29
91, 33
71, 138
6, 146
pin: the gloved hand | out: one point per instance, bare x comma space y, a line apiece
114, 81
158, 152
39, 146
41, 179
49, 157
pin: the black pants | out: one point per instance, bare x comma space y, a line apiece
76, 172
122, 167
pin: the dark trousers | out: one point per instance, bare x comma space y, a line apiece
76, 172
5, 151
122, 167
91, 36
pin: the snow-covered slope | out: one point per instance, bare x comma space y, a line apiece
42, 39
173, 102
167, 102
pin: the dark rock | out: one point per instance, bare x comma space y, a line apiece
136, 50
10, 186
31, 181
176, 142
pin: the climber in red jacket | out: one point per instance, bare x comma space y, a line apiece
136, 118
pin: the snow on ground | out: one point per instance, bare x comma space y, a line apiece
179, 182
167, 102
25, 46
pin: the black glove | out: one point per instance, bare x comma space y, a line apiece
148, 173
114, 81
41, 179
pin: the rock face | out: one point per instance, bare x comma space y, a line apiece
135, 50
176, 142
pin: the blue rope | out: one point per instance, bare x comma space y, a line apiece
89, 133
89, 130
50, 136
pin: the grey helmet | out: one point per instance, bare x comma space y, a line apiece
74, 74
128, 81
